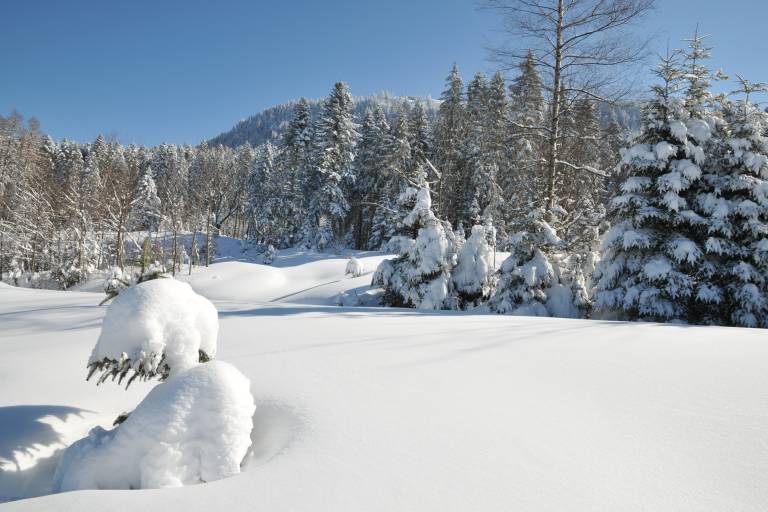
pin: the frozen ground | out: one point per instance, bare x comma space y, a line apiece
366, 409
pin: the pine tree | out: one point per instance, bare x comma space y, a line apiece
336, 137
522, 182
473, 277
529, 273
651, 256
295, 162
735, 206
146, 206
419, 277
448, 140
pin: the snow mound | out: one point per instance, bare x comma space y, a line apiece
159, 327
193, 428
355, 267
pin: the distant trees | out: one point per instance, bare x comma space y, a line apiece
683, 217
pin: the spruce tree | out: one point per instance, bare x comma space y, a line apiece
651, 256
448, 142
336, 135
473, 277
523, 180
529, 272
419, 276
735, 206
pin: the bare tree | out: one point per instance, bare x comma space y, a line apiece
583, 49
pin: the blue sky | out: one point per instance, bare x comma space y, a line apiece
182, 71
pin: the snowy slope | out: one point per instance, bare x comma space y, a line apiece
375, 409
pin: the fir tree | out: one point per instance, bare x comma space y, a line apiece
419, 277
651, 255
448, 139
473, 277
529, 272
336, 137
735, 206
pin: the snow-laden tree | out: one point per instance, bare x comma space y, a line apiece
473, 277
336, 135
447, 140
419, 277
145, 214
530, 272
193, 427
735, 206
295, 164
522, 181
480, 189
652, 256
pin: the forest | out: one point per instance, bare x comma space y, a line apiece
665, 223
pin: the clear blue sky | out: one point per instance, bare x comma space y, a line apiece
182, 71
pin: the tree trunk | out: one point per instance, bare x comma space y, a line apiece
554, 122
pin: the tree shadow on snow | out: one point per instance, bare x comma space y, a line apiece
25, 433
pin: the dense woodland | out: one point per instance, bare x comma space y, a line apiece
665, 224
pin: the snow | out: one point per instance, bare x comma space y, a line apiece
162, 320
390, 409
658, 267
355, 267
699, 130
664, 150
195, 427
678, 130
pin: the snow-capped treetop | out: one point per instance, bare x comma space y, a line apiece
157, 328
474, 274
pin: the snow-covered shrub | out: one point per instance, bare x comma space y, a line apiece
529, 279
114, 281
355, 267
193, 428
473, 277
156, 328
419, 277
269, 255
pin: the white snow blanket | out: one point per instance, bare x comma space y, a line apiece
374, 410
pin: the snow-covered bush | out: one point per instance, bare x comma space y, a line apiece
473, 277
419, 277
193, 428
156, 328
355, 267
529, 279
269, 254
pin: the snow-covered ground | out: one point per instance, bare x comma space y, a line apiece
367, 409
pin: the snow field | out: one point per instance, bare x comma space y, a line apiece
387, 409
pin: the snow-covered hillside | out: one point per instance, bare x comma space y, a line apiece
386, 409
271, 123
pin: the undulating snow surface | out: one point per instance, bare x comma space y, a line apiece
384, 409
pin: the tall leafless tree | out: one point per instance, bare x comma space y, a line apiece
583, 49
